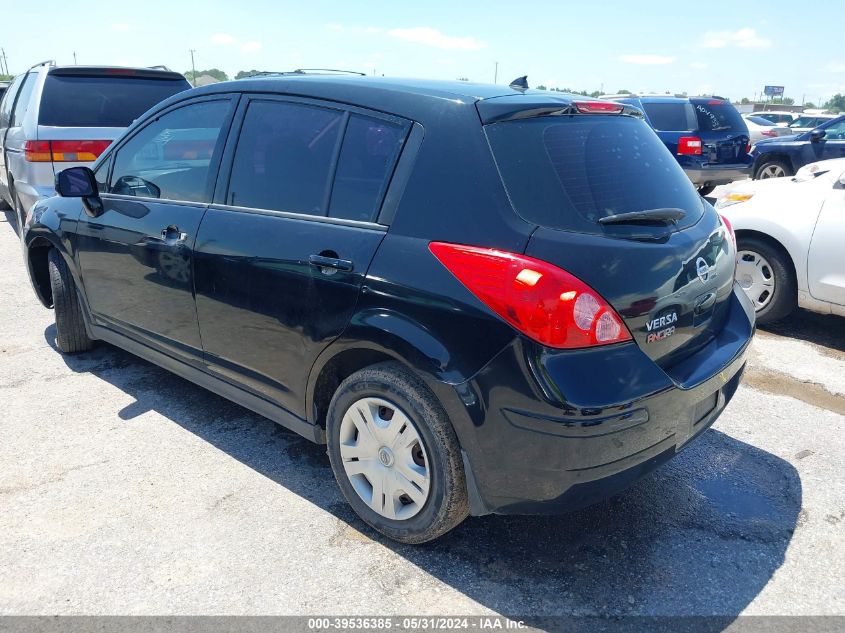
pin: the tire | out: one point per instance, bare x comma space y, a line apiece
433, 498
773, 168
757, 261
706, 191
71, 336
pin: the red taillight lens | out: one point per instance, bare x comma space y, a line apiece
37, 151
768, 133
542, 301
64, 151
689, 145
597, 107
730, 229
78, 151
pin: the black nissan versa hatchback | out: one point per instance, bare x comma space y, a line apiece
483, 299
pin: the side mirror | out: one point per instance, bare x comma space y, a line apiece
76, 182
817, 135
79, 182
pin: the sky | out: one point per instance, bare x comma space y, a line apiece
704, 47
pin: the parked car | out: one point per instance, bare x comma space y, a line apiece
805, 122
706, 135
759, 128
483, 299
58, 116
778, 117
790, 233
778, 157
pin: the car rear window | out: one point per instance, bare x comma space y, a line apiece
671, 117
567, 172
717, 116
79, 101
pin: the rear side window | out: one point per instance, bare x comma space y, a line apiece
567, 172
8, 102
671, 117
170, 158
105, 101
370, 149
718, 116
283, 161
24, 97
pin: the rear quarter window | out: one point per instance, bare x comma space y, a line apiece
101, 101
718, 116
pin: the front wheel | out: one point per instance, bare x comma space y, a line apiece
765, 274
71, 336
395, 455
773, 168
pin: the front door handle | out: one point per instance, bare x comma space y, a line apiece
329, 265
172, 235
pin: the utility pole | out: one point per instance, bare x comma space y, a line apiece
496, 73
193, 68
5, 61
74, 58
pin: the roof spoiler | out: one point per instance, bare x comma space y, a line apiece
115, 71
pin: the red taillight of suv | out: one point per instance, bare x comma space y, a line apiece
689, 145
64, 151
542, 301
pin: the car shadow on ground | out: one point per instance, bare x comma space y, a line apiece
827, 330
703, 535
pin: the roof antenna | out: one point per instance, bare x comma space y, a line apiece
520, 83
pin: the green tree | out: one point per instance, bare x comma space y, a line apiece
246, 73
541, 87
623, 92
836, 103
784, 100
218, 74
745, 101
6, 77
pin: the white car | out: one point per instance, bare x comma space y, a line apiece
778, 117
760, 128
807, 122
791, 240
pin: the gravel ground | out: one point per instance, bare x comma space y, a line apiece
127, 490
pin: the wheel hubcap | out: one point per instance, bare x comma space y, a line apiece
384, 458
754, 273
772, 171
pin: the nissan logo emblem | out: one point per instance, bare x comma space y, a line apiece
703, 269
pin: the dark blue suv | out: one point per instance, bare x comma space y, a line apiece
482, 299
778, 157
705, 134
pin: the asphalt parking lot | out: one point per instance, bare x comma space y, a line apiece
127, 490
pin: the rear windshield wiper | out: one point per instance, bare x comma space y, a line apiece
649, 216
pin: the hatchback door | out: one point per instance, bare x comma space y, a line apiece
137, 255
723, 133
282, 254
669, 280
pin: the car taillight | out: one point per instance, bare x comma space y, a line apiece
64, 151
598, 107
689, 145
729, 229
767, 133
542, 301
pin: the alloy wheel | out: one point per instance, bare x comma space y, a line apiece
772, 171
384, 458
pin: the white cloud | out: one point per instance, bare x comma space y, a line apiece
222, 38
334, 26
251, 47
121, 26
372, 29
434, 38
835, 67
742, 38
698, 65
647, 60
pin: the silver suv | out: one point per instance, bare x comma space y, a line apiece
54, 117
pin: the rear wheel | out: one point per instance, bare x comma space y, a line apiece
395, 455
71, 336
765, 274
773, 168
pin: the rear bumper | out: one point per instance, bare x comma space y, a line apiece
713, 175
553, 431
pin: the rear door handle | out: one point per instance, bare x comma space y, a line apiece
172, 234
329, 265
